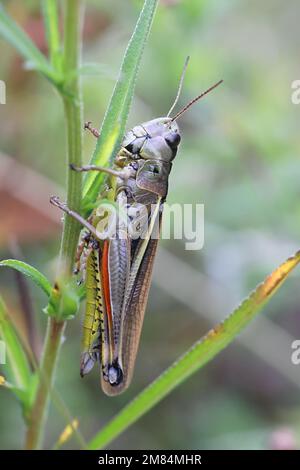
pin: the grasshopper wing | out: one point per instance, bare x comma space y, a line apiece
134, 311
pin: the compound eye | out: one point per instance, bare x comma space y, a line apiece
173, 139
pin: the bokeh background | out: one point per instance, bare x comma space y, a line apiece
239, 157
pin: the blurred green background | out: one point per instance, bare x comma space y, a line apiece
239, 157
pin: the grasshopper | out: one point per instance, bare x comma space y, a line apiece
118, 266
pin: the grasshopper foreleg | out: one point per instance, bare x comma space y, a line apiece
88, 126
55, 201
124, 174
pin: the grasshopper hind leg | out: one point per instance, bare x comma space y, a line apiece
82, 246
81, 264
91, 336
88, 359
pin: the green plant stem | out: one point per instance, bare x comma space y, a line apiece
71, 93
73, 114
38, 414
71, 227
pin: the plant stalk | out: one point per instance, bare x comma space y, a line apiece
38, 415
71, 94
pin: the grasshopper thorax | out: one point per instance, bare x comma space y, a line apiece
157, 139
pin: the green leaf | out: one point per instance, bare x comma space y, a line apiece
13, 34
38, 278
50, 13
113, 127
196, 357
18, 368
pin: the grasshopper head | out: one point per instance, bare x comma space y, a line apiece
164, 139
165, 127
157, 139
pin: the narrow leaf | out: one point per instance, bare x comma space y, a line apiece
196, 357
38, 278
18, 366
114, 122
13, 34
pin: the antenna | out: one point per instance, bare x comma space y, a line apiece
186, 107
180, 85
